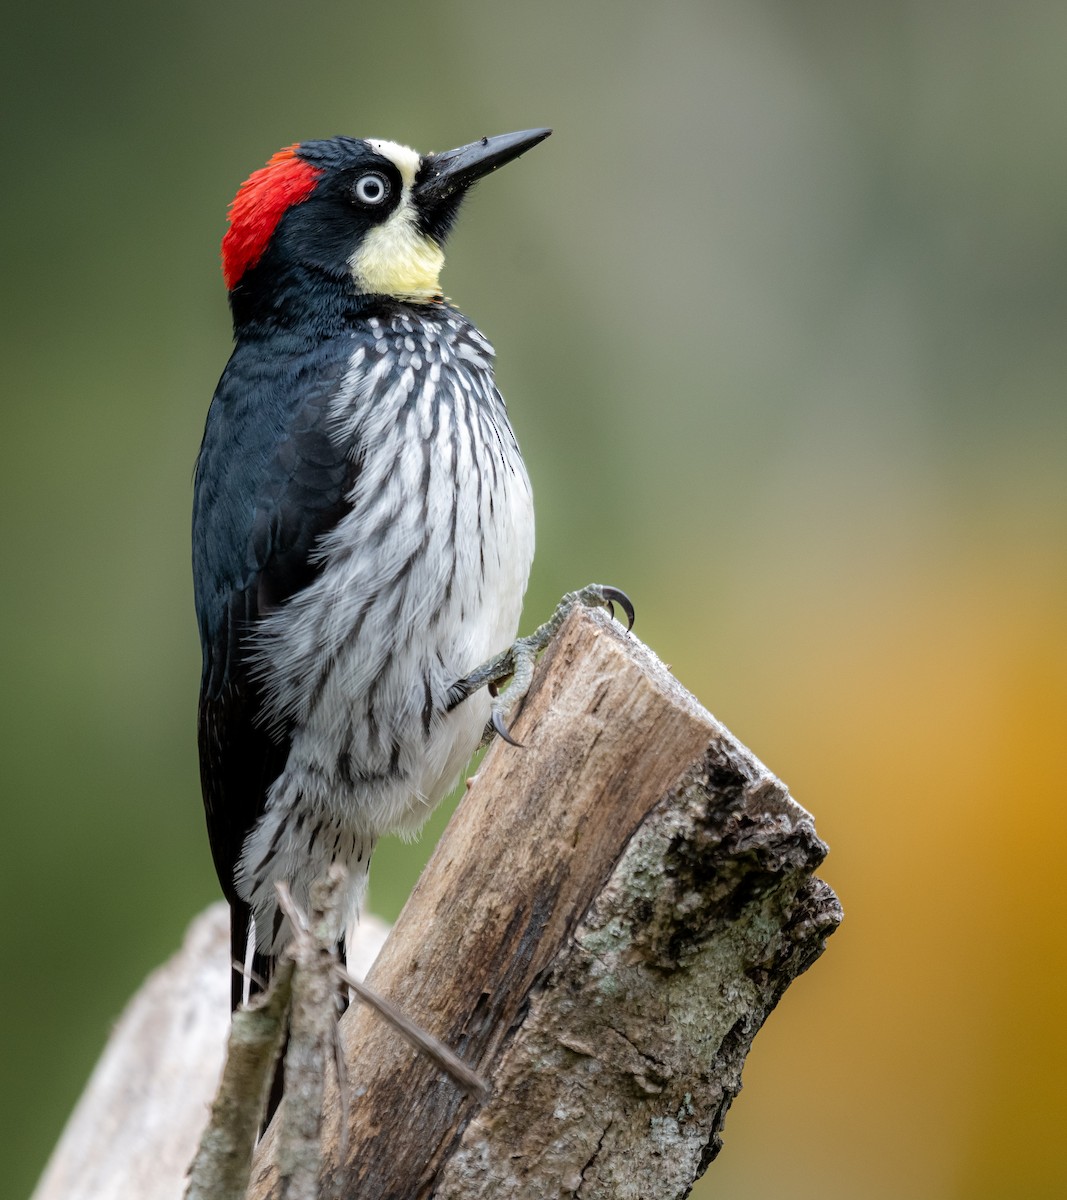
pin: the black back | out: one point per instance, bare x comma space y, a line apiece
269, 482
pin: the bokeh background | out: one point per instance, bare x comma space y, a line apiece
781, 314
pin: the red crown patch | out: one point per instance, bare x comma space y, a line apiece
261, 202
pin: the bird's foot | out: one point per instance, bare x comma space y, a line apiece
516, 663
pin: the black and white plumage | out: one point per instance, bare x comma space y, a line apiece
363, 523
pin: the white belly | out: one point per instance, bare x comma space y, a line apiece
423, 581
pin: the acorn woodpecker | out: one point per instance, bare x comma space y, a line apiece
362, 523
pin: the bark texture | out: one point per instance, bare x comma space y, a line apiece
135, 1128
608, 920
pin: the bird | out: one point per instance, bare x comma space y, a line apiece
362, 522
363, 526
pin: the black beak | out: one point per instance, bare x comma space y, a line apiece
444, 178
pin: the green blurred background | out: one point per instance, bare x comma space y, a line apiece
780, 313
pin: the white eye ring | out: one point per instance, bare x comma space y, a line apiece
371, 188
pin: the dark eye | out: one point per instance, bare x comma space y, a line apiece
371, 188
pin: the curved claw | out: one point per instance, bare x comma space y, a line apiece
501, 730
615, 596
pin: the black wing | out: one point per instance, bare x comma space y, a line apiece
270, 481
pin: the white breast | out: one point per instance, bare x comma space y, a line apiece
423, 581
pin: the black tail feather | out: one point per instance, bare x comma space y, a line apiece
262, 965
262, 968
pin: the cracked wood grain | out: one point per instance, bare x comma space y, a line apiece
607, 922
609, 918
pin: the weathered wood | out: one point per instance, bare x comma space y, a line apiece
606, 923
136, 1126
552, 966
223, 1159
618, 1081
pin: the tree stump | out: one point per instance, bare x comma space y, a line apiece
611, 915
609, 918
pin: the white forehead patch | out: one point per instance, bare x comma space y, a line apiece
403, 158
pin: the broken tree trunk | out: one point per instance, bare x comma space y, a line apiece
608, 920
610, 917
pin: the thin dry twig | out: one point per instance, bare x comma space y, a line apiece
313, 1038
465, 1077
468, 1080
220, 1170
312, 1031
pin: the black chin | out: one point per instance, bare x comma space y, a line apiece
445, 178
436, 220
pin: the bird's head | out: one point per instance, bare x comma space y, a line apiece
362, 215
